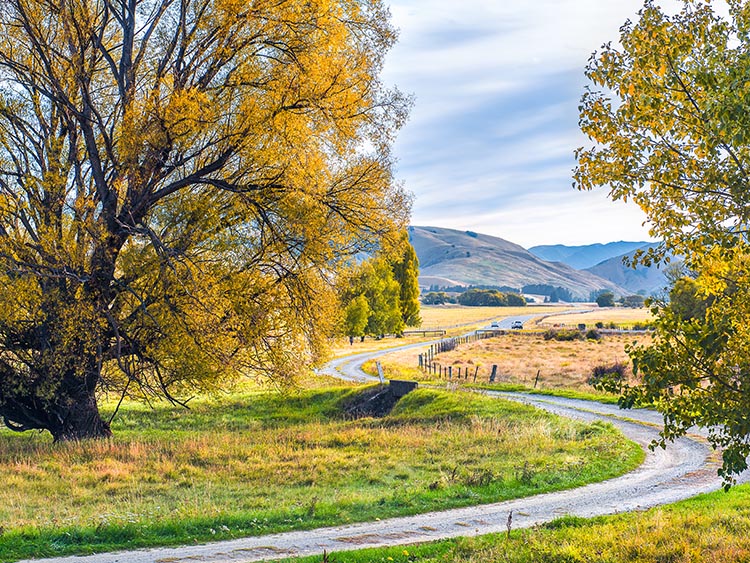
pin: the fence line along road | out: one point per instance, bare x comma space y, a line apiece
683, 470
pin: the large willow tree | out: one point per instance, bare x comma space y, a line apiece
179, 180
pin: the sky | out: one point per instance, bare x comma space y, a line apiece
490, 140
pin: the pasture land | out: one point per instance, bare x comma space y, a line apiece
255, 463
454, 319
452, 316
712, 528
622, 317
520, 357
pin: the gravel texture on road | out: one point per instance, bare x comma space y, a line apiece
686, 468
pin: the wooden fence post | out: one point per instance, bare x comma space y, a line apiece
493, 375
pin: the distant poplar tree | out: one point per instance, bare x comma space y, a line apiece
406, 273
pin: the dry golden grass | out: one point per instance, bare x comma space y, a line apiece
340, 346
621, 316
452, 316
454, 319
520, 357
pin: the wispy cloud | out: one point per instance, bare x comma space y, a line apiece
490, 142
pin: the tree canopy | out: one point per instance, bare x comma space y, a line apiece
475, 297
668, 115
381, 295
179, 183
605, 299
437, 298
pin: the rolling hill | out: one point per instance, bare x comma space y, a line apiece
649, 280
586, 256
448, 257
606, 261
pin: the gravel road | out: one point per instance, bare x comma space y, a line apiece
683, 470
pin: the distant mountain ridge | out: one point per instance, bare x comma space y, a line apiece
650, 280
586, 256
609, 262
449, 257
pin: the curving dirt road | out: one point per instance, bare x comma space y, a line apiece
685, 469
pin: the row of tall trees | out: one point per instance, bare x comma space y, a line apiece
490, 298
476, 297
381, 295
668, 114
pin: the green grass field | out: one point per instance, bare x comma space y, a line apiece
259, 463
712, 528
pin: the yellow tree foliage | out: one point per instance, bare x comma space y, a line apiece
668, 115
179, 182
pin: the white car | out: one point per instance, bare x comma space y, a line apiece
516, 324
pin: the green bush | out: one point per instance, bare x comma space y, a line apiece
593, 334
608, 377
563, 334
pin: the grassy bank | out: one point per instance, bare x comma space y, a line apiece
711, 528
258, 463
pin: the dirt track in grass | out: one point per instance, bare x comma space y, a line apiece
685, 469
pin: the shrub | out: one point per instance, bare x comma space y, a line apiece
563, 334
599, 324
593, 334
608, 377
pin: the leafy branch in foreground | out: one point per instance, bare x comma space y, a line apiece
671, 131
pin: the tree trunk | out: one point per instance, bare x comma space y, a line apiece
82, 421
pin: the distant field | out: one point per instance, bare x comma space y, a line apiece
258, 463
341, 347
454, 319
621, 316
519, 357
443, 316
